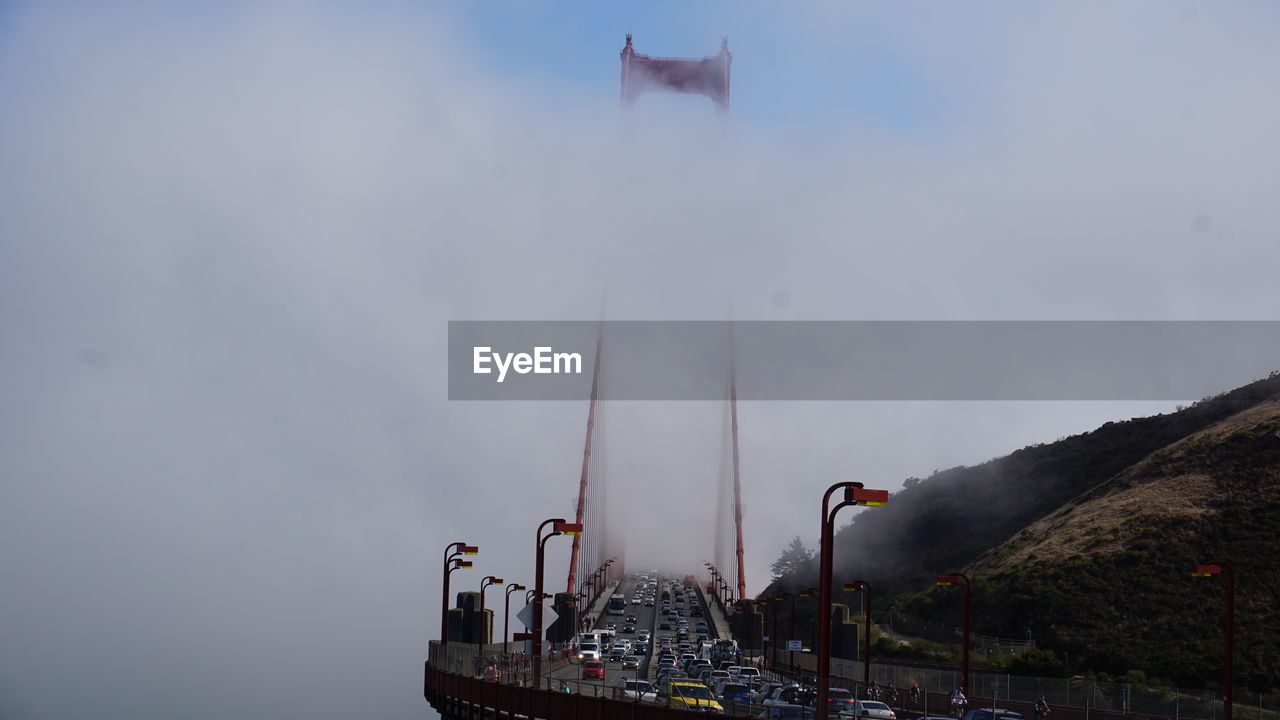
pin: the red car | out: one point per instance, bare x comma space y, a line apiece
593, 669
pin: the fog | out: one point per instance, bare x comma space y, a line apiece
231, 238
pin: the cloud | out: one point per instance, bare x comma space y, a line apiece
233, 236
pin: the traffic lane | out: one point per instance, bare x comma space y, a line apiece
572, 673
693, 632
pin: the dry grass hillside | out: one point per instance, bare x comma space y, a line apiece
1169, 483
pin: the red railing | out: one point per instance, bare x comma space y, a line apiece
454, 695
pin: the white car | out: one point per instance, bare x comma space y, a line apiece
637, 690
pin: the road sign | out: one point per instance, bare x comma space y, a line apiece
549, 615
795, 645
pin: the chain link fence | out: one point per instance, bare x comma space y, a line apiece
1074, 697
986, 645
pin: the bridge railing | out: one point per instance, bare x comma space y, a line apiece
1069, 699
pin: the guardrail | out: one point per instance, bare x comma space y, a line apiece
459, 696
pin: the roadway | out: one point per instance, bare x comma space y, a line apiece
646, 618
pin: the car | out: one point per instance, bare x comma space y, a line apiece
630, 662
636, 600
648, 602
840, 700
747, 672
767, 688
628, 629
787, 712
701, 626
664, 625
791, 695
872, 709
643, 635
688, 695
593, 669
716, 676
736, 692
616, 654
611, 627
696, 612
630, 619
636, 689
988, 714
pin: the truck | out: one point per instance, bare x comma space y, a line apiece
724, 649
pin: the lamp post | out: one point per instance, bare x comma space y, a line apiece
486, 629
854, 494
764, 643
953, 579
558, 527
866, 627
1227, 574
452, 561
809, 593
506, 615
791, 654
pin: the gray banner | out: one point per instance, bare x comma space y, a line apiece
876, 360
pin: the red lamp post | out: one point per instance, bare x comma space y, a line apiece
866, 627
809, 592
954, 579
452, 561
767, 612
1227, 574
506, 615
486, 629
854, 494
791, 635
558, 527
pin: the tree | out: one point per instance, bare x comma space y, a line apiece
792, 560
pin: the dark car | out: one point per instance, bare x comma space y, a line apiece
841, 700
736, 692
988, 714
664, 625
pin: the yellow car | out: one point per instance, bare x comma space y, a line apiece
689, 695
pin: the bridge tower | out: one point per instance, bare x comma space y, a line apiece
706, 76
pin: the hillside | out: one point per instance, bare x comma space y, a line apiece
1087, 541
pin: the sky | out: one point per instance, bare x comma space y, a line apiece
232, 234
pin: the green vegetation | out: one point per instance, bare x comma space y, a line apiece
1115, 603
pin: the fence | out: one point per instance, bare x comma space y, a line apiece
987, 645
1071, 698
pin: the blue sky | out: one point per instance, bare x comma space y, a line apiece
791, 67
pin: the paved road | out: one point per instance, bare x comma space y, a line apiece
646, 618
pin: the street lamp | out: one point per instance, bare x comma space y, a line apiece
854, 494
764, 643
486, 631
1228, 579
452, 561
866, 627
506, 615
791, 657
954, 579
558, 527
